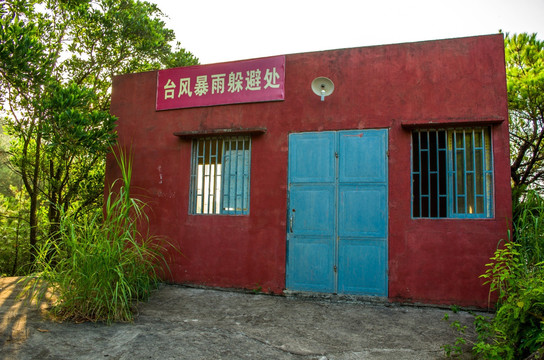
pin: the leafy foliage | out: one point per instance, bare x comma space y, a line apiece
24, 59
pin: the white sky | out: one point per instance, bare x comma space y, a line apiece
226, 30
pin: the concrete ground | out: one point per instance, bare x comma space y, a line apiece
190, 323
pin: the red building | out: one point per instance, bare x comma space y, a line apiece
380, 171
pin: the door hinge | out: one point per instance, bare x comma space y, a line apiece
335, 268
336, 154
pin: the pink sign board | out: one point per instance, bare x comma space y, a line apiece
245, 81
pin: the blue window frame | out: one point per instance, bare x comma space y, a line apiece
452, 173
220, 169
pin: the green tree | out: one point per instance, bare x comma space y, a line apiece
524, 55
24, 61
57, 61
7, 176
110, 37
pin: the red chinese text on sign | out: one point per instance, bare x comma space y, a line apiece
245, 81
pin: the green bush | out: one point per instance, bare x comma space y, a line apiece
101, 264
516, 274
517, 329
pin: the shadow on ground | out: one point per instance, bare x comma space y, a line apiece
188, 323
18, 314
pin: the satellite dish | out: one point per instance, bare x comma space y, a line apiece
322, 86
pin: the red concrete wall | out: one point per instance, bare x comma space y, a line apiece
456, 81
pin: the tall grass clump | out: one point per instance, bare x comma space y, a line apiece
100, 265
528, 223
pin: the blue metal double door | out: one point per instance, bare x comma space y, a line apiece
337, 212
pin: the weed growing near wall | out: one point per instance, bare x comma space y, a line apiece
101, 264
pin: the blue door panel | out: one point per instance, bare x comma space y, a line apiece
362, 210
362, 267
362, 155
311, 157
311, 214
312, 269
312, 210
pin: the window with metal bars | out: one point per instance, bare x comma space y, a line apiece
220, 175
452, 173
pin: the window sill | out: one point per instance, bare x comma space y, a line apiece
220, 132
449, 123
